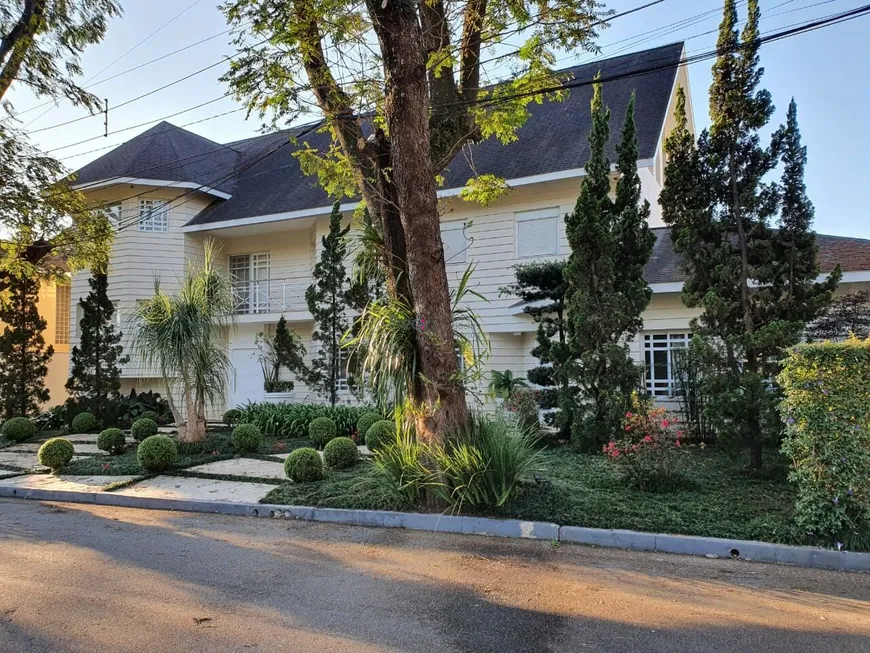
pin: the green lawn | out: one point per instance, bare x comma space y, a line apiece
720, 499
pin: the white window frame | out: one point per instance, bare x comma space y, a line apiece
62, 303
251, 294
462, 255
343, 357
549, 213
113, 211
153, 216
658, 341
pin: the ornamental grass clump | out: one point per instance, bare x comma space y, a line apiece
826, 411
649, 452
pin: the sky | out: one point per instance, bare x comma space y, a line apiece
827, 72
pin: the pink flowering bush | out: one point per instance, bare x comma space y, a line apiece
524, 404
649, 450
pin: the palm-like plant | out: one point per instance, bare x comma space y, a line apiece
183, 335
504, 384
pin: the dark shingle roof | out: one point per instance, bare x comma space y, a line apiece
554, 138
167, 153
853, 254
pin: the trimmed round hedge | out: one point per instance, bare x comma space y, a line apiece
112, 441
55, 453
380, 433
321, 431
84, 423
304, 465
149, 414
143, 428
247, 438
156, 453
232, 417
18, 429
364, 423
340, 453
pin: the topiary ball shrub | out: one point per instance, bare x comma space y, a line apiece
380, 433
363, 424
149, 414
55, 453
143, 428
112, 441
84, 423
321, 431
304, 465
157, 453
18, 429
246, 438
340, 453
232, 417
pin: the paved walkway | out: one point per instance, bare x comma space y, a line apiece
96, 579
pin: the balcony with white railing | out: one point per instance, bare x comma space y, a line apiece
267, 296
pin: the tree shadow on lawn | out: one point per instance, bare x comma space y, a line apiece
413, 591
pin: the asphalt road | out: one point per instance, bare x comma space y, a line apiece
101, 579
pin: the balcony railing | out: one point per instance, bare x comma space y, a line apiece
269, 296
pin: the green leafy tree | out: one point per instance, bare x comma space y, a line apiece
282, 349
327, 302
95, 375
606, 293
48, 228
23, 355
754, 283
399, 86
541, 286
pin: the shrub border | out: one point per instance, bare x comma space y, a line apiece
610, 538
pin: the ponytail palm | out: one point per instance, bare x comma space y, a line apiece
183, 336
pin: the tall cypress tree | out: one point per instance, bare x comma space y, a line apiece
95, 375
753, 282
327, 302
23, 355
606, 292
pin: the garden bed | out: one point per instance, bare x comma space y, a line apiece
719, 498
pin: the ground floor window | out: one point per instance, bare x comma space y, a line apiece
659, 358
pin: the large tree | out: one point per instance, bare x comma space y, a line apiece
327, 302
95, 373
47, 226
754, 283
605, 289
23, 355
401, 87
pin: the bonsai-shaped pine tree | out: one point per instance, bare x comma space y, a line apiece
23, 355
95, 375
284, 349
754, 284
606, 293
541, 286
327, 302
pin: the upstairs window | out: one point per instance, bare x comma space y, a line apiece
537, 233
61, 314
455, 243
249, 274
153, 216
113, 213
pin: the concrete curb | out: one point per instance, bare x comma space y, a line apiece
511, 528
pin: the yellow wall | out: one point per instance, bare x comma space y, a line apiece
58, 366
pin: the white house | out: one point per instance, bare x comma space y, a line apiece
169, 189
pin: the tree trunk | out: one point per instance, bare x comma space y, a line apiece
14, 47
406, 108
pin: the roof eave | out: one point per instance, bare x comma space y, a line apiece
138, 181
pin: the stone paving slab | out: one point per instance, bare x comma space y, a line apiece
33, 447
197, 489
250, 467
66, 482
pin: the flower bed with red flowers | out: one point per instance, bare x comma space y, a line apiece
650, 449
